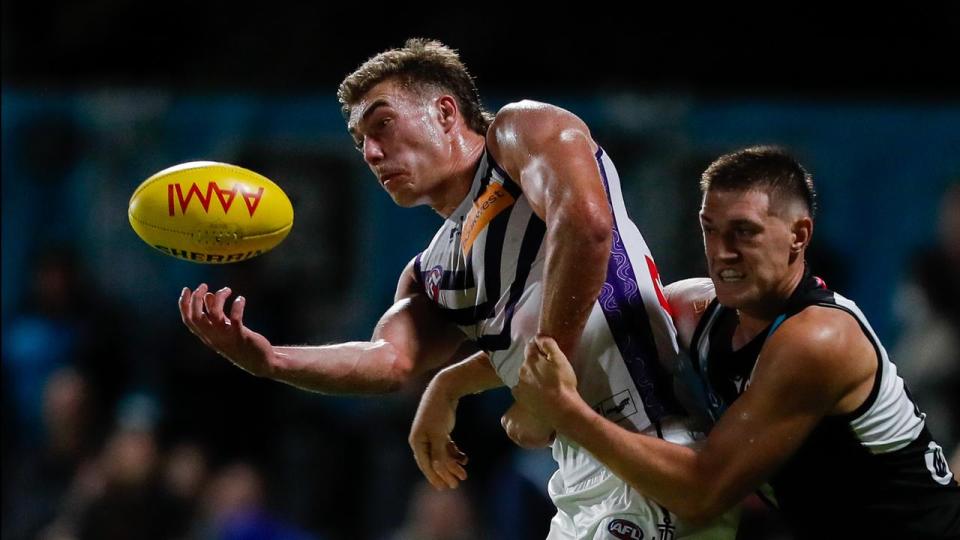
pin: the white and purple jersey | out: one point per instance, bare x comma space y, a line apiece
484, 270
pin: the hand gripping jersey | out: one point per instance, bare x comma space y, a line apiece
873, 473
484, 270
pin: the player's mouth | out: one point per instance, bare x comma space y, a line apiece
386, 179
729, 275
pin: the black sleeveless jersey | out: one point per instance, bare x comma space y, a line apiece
873, 473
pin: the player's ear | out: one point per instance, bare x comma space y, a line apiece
802, 233
447, 111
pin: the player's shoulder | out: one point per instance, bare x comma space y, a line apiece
688, 300
821, 329
529, 108
409, 282
824, 340
528, 121
530, 128
691, 290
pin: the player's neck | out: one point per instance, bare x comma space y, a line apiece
465, 155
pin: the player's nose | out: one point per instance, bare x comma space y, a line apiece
372, 151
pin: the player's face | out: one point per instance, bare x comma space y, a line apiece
402, 140
748, 248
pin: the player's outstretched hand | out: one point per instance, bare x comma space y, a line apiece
547, 381
203, 313
437, 456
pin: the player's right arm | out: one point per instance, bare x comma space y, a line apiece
409, 339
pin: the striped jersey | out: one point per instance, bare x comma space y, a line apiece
484, 271
875, 472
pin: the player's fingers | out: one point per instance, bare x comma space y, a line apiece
548, 346
526, 375
531, 352
196, 304
214, 304
456, 470
184, 303
455, 461
208, 300
421, 454
456, 454
442, 463
236, 312
441, 469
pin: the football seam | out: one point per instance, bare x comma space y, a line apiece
187, 233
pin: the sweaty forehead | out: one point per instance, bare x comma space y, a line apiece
387, 93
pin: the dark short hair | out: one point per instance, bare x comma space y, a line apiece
419, 65
769, 168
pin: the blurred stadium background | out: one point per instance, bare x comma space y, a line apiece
117, 423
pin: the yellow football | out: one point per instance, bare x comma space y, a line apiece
208, 212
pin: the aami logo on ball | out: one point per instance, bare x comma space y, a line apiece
625, 530
225, 197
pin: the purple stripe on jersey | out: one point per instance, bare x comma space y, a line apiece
623, 307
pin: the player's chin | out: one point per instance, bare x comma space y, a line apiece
403, 202
405, 197
734, 294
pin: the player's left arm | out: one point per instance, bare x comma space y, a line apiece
550, 152
818, 363
436, 454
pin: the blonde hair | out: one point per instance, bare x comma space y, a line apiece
419, 65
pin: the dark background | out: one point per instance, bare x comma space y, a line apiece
117, 423
790, 48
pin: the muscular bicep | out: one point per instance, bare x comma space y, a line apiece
422, 338
551, 153
795, 384
754, 437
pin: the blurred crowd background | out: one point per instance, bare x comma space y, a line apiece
117, 423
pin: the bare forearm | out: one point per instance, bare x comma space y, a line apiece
471, 376
360, 367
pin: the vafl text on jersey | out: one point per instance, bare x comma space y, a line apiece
873, 473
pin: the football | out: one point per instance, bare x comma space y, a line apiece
209, 212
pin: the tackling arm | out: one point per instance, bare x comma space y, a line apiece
792, 389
